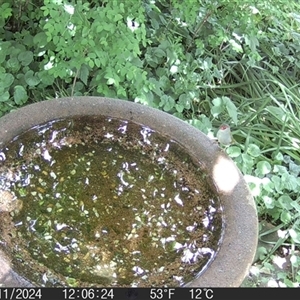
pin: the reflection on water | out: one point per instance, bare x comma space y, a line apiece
106, 201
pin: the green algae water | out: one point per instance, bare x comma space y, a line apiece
92, 201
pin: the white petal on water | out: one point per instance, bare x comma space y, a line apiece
45, 278
178, 246
178, 200
53, 175
190, 228
2, 156
61, 226
205, 221
47, 156
138, 270
21, 150
108, 135
167, 147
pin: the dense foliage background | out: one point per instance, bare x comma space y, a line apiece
206, 62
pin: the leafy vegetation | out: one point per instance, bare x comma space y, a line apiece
206, 62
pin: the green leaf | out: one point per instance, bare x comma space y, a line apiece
118, 17
277, 183
219, 105
286, 217
248, 161
84, 73
183, 103
6, 11
268, 185
269, 202
91, 63
13, 64
294, 169
295, 235
167, 102
290, 182
7, 80
28, 38
278, 156
110, 81
46, 78
263, 167
55, 40
25, 58
97, 62
231, 109
4, 96
253, 150
20, 95
234, 151
252, 42
279, 169
286, 202
85, 31
31, 79
296, 206
40, 39
216, 110
159, 52
217, 101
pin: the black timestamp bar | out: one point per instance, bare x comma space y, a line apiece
143, 293
106, 293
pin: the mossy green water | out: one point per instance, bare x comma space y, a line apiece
107, 202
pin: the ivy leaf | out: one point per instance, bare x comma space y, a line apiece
20, 95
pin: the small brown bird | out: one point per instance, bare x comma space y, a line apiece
224, 135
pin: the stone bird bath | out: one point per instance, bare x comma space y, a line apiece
240, 228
